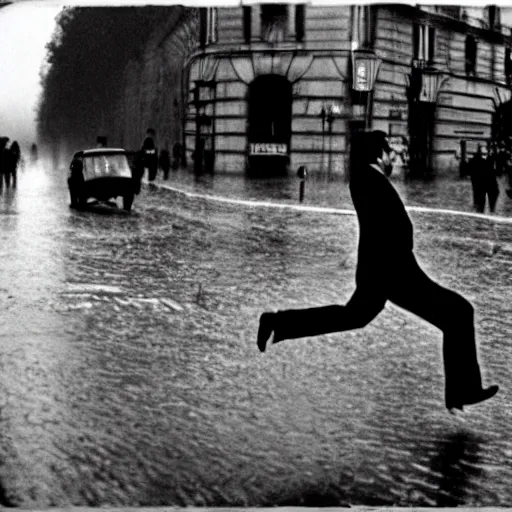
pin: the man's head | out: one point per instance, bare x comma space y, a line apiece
377, 150
101, 141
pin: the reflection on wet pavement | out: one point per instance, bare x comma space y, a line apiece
130, 374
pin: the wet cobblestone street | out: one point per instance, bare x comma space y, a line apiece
129, 374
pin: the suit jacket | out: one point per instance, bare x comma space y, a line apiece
482, 173
385, 229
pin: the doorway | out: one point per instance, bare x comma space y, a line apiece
269, 125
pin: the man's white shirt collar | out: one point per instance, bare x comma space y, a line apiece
377, 167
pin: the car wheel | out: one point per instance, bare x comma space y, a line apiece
82, 201
127, 202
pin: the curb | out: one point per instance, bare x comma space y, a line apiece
322, 209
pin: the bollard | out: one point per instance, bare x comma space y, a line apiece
302, 173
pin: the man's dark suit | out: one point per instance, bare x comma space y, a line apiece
387, 270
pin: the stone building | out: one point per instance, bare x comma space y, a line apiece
270, 86
154, 87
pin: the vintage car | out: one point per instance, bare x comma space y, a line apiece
102, 174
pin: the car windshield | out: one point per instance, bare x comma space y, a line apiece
106, 165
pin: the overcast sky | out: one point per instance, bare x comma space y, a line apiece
25, 28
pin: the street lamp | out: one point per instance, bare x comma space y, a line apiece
365, 67
431, 83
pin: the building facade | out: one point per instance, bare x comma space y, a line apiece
154, 87
274, 86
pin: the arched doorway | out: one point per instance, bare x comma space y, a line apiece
269, 125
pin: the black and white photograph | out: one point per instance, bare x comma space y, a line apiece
255, 254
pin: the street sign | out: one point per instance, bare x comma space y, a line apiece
268, 148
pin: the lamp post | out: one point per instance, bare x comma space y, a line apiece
328, 114
432, 80
365, 68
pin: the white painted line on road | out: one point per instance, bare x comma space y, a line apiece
322, 209
89, 288
268, 204
171, 304
495, 218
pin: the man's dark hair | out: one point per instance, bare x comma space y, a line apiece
369, 146
375, 144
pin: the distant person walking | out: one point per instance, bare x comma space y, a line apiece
150, 154
76, 180
33, 154
177, 155
101, 141
12, 157
508, 172
387, 270
483, 180
164, 163
3, 158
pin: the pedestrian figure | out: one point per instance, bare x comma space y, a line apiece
138, 171
508, 172
76, 179
176, 155
12, 157
400, 156
150, 154
3, 158
483, 180
387, 270
101, 141
164, 162
33, 154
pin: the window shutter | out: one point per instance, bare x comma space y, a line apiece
491, 13
508, 65
214, 35
416, 41
367, 28
203, 20
431, 45
247, 23
300, 22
